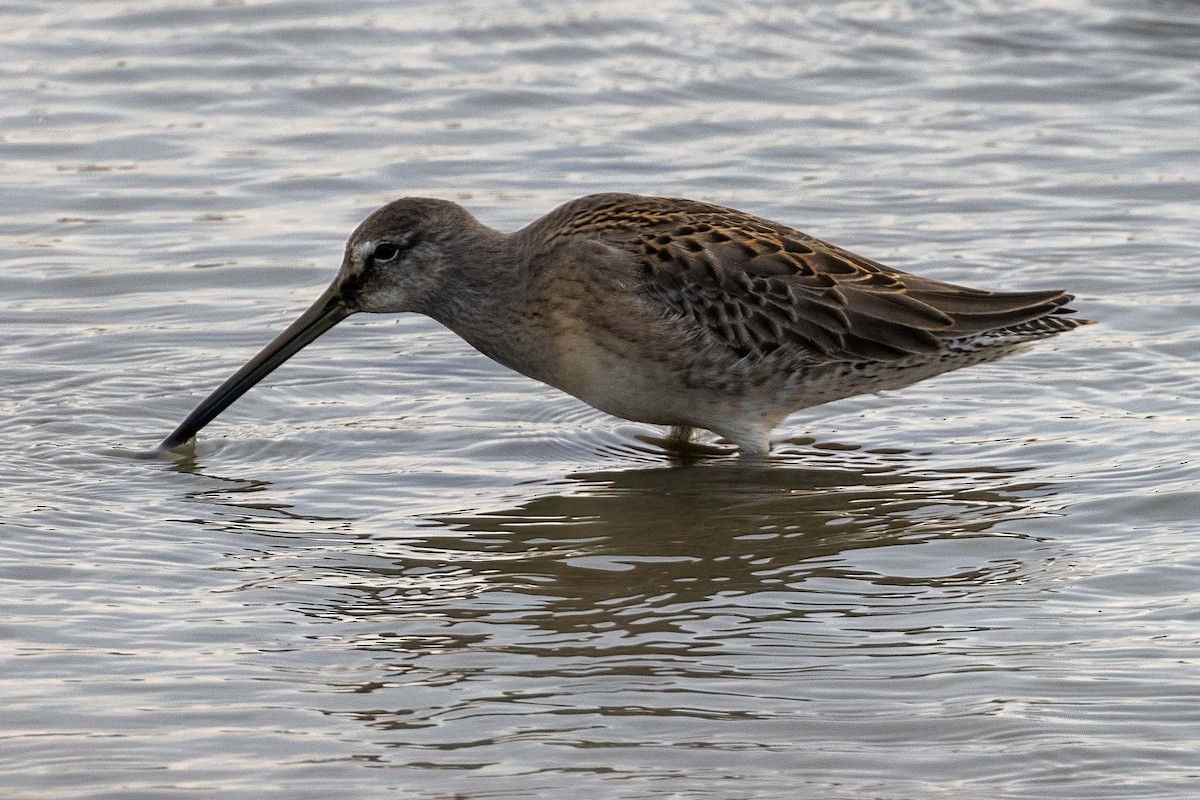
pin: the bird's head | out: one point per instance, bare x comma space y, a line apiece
398, 259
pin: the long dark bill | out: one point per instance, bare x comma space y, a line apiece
328, 311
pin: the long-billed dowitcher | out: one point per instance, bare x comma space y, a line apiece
662, 311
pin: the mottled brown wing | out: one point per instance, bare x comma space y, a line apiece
758, 286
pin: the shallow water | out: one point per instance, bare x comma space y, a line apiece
396, 569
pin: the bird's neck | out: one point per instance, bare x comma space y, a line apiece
485, 297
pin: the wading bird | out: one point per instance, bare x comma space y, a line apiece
662, 311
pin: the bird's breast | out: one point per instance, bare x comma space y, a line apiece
596, 341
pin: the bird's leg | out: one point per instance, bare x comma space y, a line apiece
682, 441
753, 440
751, 452
680, 436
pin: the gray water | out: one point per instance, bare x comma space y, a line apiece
397, 570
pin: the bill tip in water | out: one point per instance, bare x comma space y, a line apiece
164, 451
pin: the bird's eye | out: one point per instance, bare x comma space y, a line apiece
384, 251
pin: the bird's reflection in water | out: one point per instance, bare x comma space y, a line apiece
675, 590
580, 553
684, 535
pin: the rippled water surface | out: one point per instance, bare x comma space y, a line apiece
397, 569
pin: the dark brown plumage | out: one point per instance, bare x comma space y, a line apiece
757, 285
